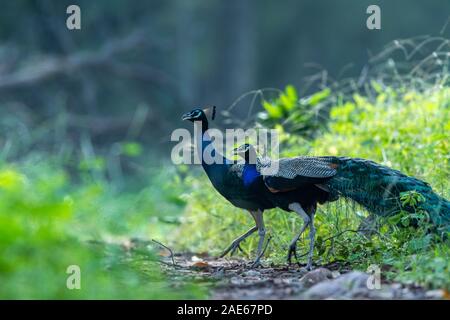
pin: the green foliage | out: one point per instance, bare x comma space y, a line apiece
404, 129
48, 223
411, 198
281, 106
408, 131
131, 149
294, 116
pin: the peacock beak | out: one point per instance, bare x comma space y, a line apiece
186, 116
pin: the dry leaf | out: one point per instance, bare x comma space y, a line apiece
446, 295
201, 264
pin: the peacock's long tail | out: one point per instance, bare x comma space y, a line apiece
377, 188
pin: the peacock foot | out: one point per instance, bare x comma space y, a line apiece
238, 247
292, 253
256, 264
309, 266
233, 247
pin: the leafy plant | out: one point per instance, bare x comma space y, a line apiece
295, 116
402, 128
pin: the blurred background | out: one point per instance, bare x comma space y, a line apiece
133, 69
86, 117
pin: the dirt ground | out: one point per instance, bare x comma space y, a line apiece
229, 278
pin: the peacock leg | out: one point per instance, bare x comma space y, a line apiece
312, 236
296, 207
236, 242
258, 216
293, 245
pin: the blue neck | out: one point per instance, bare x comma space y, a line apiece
206, 142
250, 174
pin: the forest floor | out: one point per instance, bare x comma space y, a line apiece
229, 278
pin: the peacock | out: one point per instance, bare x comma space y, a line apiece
233, 181
300, 183
312, 180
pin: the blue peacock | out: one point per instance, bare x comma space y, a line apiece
300, 183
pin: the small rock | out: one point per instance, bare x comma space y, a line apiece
411, 296
315, 276
219, 273
384, 294
236, 281
335, 274
396, 286
196, 259
251, 273
349, 285
435, 294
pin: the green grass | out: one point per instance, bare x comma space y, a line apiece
75, 208
48, 222
404, 129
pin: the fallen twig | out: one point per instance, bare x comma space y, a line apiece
104, 57
353, 231
168, 249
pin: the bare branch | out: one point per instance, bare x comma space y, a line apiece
51, 67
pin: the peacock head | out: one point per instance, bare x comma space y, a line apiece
200, 114
247, 152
